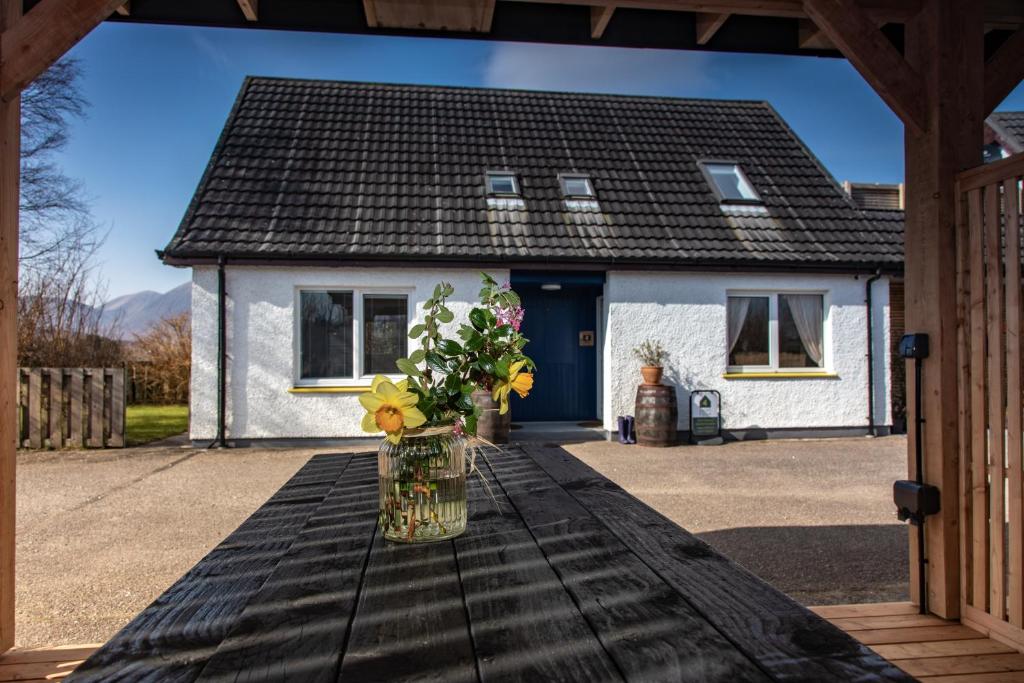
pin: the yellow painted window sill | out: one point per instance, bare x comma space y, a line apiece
780, 375
329, 390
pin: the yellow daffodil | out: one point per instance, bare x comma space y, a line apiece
390, 408
517, 380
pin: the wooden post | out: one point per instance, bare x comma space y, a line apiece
944, 46
10, 168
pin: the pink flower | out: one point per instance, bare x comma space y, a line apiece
459, 428
513, 317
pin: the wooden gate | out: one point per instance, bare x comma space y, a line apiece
991, 322
71, 407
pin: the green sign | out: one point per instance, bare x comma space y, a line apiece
705, 415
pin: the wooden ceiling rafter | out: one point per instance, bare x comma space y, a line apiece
250, 8
463, 16
1004, 71
599, 18
708, 25
882, 10
850, 28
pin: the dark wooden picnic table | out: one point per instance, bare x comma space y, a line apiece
572, 579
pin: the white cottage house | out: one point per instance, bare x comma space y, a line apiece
329, 211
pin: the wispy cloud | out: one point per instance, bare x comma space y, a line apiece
213, 52
596, 69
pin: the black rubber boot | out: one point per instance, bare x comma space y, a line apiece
630, 429
623, 430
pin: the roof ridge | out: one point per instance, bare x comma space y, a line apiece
514, 91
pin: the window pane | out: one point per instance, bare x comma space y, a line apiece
748, 330
731, 184
385, 329
577, 187
801, 323
325, 334
501, 184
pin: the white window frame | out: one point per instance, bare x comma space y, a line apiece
517, 189
361, 378
563, 179
773, 332
705, 165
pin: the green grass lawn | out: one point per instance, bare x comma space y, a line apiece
150, 423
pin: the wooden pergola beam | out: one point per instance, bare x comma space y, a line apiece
810, 37
37, 40
708, 25
882, 11
250, 9
1004, 71
855, 34
10, 170
599, 18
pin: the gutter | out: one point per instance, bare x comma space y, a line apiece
871, 351
517, 263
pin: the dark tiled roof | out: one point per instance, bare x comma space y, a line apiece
311, 170
1009, 127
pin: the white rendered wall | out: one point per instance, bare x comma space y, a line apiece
686, 312
261, 324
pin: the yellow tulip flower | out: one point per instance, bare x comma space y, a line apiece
520, 382
390, 408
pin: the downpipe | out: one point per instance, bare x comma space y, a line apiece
872, 431
220, 441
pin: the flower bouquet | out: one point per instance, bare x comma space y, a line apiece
429, 417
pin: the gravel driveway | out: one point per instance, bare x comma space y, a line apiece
812, 517
102, 533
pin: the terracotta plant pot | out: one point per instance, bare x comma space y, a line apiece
652, 374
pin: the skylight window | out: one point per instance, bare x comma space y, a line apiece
729, 182
502, 184
577, 186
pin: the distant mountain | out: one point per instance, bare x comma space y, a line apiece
136, 313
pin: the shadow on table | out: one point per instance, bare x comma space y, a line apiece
820, 565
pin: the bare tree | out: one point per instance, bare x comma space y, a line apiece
54, 213
59, 295
161, 362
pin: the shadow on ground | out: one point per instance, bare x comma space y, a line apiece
823, 565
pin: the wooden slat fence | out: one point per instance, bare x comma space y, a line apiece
71, 407
990, 382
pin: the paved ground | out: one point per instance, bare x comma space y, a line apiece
813, 517
102, 533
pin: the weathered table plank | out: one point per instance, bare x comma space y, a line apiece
786, 639
650, 631
410, 623
172, 639
295, 626
525, 627
560, 575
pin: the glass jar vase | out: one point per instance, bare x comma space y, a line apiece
423, 486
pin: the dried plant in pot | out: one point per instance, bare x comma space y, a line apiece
430, 419
653, 356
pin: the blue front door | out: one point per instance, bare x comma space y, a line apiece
561, 327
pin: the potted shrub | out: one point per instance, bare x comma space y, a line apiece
653, 356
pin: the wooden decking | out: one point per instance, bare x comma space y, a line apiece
33, 665
925, 646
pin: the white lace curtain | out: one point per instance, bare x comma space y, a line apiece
737, 311
808, 315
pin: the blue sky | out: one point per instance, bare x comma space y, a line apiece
159, 97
